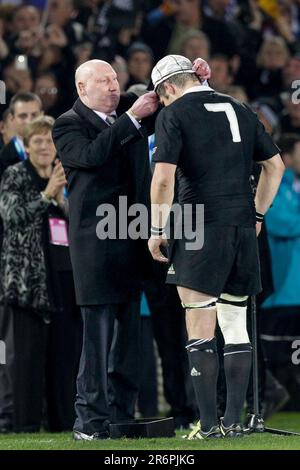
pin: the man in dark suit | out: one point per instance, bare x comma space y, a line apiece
103, 161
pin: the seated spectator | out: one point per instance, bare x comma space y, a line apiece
221, 73
23, 108
291, 71
25, 18
272, 58
16, 80
195, 44
166, 35
238, 92
7, 129
139, 63
62, 13
48, 90
120, 66
290, 117
36, 286
267, 116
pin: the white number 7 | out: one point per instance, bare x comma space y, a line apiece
227, 108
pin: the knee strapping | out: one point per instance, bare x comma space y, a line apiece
208, 345
237, 349
232, 318
209, 304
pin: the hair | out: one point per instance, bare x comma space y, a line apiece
40, 125
180, 80
287, 142
195, 34
23, 97
24, 7
5, 115
273, 41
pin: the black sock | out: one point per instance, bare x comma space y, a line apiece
237, 366
204, 370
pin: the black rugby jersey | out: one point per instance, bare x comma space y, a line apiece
213, 139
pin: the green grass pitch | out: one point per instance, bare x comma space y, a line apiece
47, 441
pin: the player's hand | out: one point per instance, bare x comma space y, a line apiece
202, 69
154, 245
258, 228
145, 105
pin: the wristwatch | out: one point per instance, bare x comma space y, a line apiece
46, 198
133, 115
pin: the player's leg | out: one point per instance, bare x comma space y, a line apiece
202, 353
232, 319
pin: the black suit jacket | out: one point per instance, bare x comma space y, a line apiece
101, 164
8, 156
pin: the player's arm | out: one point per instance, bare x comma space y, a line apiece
168, 139
162, 195
266, 154
268, 184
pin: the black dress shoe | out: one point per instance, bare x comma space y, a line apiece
81, 436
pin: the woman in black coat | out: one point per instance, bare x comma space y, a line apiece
36, 286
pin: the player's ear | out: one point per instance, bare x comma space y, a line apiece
170, 88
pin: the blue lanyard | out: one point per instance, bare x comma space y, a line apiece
21, 152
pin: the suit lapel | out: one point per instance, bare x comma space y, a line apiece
89, 115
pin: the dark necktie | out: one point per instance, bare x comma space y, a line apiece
110, 120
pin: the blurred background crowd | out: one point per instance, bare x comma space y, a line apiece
253, 49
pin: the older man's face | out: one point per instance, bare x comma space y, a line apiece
102, 89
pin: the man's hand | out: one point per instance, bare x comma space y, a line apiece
56, 36
154, 245
144, 106
202, 69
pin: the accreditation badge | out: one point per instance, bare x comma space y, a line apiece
58, 232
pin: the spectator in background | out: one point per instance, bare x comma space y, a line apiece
16, 80
36, 286
238, 92
25, 18
48, 90
62, 14
7, 129
292, 70
290, 117
119, 64
221, 73
23, 108
140, 63
272, 58
281, 316
167, 34
195, 44
267, 116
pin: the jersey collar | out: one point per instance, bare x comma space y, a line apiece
198, 88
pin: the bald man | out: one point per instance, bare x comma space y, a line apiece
103, 146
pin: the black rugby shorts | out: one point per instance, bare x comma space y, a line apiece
228, 262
